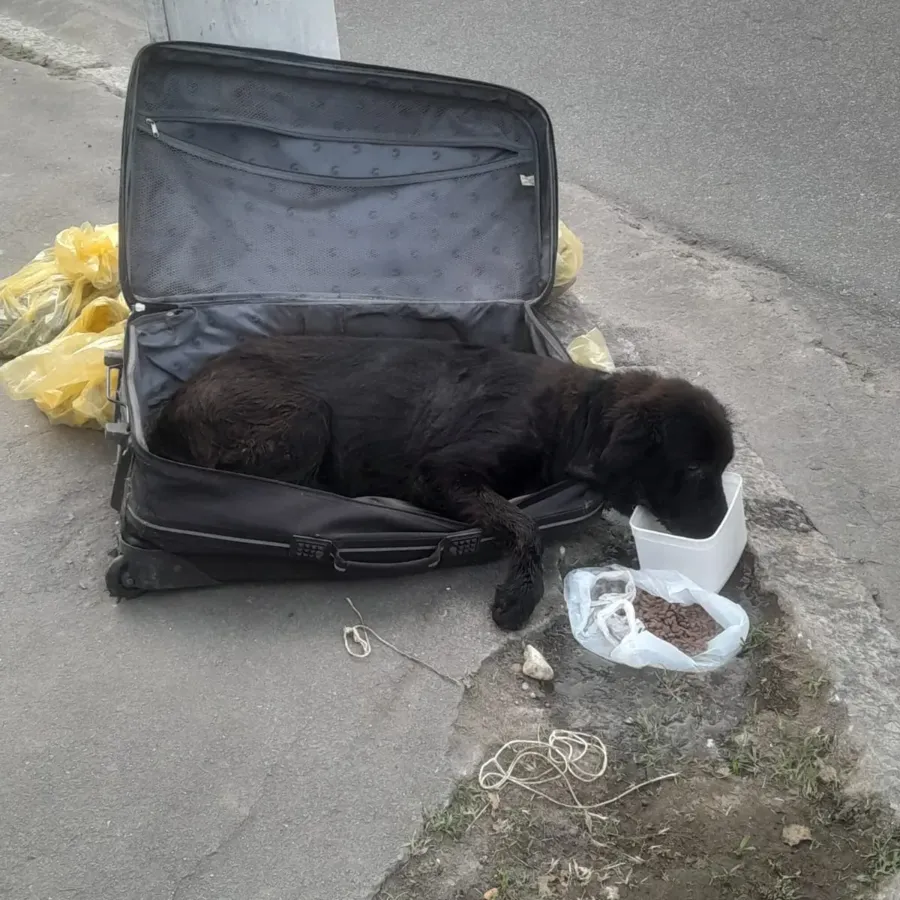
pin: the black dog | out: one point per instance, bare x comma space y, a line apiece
455, 429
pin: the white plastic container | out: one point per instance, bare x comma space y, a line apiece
708, 562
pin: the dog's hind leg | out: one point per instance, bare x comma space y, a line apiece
464, 495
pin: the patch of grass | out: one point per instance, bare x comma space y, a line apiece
419, 845
745, 847
813, 685
724, 877
511, 884
652, 746
799, 760
674, 686
760, 639
884, 858
466, 805
655, 745
784, 886
743, 757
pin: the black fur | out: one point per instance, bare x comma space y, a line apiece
456, 429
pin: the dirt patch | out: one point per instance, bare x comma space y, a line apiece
757, 812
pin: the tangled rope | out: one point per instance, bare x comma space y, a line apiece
571, 757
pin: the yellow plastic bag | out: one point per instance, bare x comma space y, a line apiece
590, 350
67, 377
46, 295
569, 258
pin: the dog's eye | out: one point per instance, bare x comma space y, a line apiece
694, 471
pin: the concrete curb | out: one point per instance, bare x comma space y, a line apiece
31, 45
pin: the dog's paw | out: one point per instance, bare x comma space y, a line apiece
514, 604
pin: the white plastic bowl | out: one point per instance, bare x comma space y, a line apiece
708, 562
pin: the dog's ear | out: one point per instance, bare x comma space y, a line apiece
632, 438
607, 452
588, 436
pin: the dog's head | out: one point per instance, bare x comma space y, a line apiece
661, 443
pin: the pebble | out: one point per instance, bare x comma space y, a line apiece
535, 666
794, 835
526, 686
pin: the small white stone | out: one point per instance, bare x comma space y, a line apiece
794, 835
526, 686
535, 666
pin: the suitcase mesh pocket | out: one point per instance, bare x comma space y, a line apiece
237, 228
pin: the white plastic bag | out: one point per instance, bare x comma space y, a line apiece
602, 617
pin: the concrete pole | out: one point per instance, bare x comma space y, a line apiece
298, 26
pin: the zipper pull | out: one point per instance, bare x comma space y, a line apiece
153, 129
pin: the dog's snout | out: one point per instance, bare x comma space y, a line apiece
700, 519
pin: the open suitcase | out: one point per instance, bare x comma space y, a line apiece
264, 193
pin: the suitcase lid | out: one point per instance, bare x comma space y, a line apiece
262, 174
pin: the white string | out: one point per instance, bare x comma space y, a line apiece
359, 635
571, 757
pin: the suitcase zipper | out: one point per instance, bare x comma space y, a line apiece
377, 139
219, 159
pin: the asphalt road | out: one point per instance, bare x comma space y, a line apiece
770, 127
767, 126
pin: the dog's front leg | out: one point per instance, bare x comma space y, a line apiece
464, 495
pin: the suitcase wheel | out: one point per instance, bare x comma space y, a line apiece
120, 582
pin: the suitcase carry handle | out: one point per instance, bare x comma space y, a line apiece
460, 544
408, 567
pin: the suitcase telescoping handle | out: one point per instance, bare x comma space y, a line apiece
458, 546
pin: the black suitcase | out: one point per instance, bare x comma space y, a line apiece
265, 193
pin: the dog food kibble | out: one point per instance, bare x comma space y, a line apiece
689, 628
